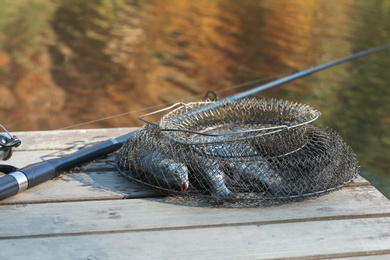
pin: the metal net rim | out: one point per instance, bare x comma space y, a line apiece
177, 125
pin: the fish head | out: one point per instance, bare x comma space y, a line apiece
175, 174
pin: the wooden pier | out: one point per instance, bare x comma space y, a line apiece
94, 213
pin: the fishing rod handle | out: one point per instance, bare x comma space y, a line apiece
12, 183
26, 178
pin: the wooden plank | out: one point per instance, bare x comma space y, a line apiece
23, 158
92, 181
317, 239
63, 139
82, 186
78, 186
153, 214
374, 256
44, 145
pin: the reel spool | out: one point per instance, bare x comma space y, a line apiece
7, 143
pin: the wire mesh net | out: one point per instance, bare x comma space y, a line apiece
248, 151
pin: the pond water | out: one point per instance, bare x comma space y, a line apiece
64, 63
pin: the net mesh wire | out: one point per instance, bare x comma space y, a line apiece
250, 151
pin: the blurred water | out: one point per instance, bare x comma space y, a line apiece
68, 62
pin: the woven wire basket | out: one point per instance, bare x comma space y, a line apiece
249, 151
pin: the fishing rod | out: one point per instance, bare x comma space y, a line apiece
17, 180
305, 73
273, 84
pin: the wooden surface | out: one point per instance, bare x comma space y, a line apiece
94, 213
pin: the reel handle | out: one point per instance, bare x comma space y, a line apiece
7, 143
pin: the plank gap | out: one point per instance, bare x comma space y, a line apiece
197, 227
340, 255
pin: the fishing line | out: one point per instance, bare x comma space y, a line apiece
235, 87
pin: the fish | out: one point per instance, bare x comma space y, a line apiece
257, 176
162, 171
212, 174
149, 165
244, 165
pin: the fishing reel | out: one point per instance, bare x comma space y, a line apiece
7, 144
